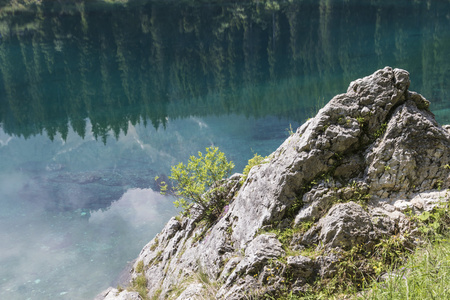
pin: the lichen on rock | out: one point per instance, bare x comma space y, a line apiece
342, 181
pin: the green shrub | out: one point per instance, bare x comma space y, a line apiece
192, 180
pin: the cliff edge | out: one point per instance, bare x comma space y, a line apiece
344, 180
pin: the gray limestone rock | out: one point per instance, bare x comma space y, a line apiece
263, 248
410, 155
376, 145
345, 225
338, 128
301, 266
315, 204
192, 292
327, 265
114, 294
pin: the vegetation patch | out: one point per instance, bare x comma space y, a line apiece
139, 267
156, 259
384, 269
361, 121
435, 225
354, 192
156, 294
208, 291
155, 244
354, 270
139, 284
191, 182
380, 131
425, 276
292, 211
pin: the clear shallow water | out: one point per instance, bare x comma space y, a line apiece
74, 212
96, 99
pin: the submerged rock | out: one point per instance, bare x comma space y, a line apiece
343, 179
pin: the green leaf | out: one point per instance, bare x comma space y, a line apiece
424, 216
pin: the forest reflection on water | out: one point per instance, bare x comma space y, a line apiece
149, 61
98, 98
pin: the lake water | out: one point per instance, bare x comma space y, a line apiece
99, 97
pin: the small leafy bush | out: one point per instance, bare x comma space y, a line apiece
191, 181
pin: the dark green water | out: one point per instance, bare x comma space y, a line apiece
98, 98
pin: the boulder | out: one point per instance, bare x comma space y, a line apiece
345, 225
345, 178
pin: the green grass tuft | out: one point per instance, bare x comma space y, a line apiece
425, 276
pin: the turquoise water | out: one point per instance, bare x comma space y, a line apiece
96, 99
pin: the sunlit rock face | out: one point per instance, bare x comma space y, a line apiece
349, 174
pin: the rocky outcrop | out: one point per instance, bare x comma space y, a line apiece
344, 178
